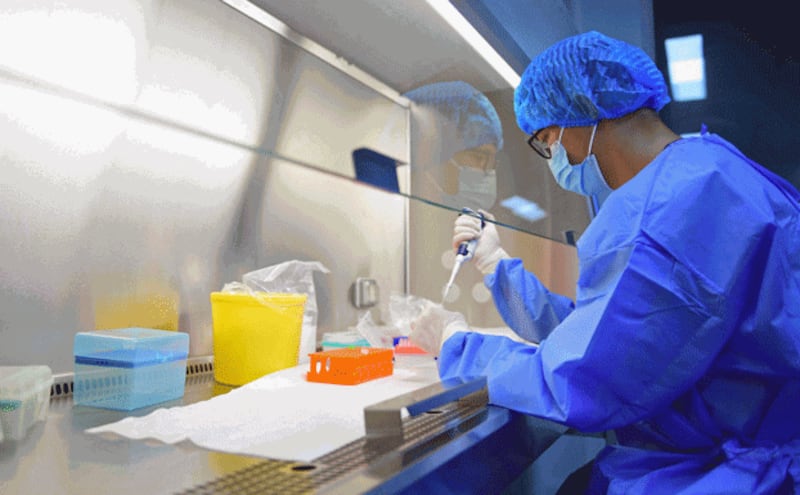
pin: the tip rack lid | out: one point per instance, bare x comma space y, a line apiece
130, 347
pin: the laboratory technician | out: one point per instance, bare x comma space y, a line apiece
684, 337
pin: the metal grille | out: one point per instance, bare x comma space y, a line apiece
421, 434
266, 477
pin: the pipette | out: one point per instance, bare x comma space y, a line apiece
465, 252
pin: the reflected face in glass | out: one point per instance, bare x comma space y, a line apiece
481, 158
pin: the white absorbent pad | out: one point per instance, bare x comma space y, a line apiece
279, 416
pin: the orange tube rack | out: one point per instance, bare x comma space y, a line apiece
350, 366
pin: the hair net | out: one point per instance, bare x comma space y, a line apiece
466, 113
584, 79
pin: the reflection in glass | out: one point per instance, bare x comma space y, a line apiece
456, 163
373, 167
262, 93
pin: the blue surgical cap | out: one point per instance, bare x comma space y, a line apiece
466, 111
584, 79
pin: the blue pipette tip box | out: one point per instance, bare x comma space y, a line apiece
129, 368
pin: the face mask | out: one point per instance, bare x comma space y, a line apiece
584, 178
477, 189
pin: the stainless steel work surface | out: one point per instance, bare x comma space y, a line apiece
57, 456
453, 445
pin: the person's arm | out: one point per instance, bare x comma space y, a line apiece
527, 306
626, 350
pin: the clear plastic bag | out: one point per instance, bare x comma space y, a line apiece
403, 309
377, 335
292, 277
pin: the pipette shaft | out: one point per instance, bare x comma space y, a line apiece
465, 252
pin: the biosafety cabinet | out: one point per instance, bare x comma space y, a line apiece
155, 150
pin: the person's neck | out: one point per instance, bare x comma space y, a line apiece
632, 142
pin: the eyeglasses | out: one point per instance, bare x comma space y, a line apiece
539, 146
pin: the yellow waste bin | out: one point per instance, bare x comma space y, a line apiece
255, 334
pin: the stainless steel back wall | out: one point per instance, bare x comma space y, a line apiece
150, 155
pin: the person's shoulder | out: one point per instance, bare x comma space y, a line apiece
692, 180
699, 156
705, 182
693, 168
714, 164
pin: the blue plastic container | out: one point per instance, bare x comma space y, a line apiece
129, 368
376, 168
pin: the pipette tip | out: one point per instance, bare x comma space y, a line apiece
445, 291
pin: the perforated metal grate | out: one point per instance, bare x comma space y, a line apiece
421, 434
266, 477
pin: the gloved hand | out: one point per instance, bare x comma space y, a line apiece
488, 251
432, 327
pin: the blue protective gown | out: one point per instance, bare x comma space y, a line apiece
684, 337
